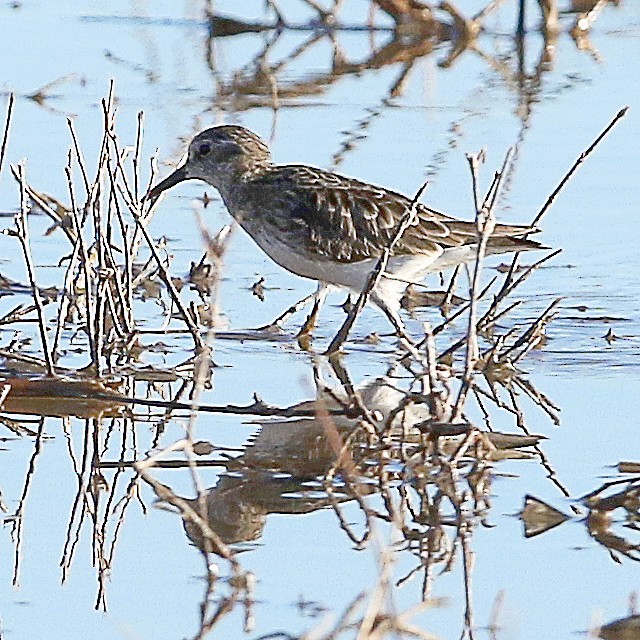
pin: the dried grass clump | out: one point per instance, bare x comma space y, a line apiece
403, 451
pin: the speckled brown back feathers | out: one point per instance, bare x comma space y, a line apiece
348, 220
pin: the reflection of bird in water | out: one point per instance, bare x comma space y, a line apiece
327, 227
281, 468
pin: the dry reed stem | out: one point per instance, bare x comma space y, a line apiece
21, 232
581, 158
432, 360
42, 204
485, 223
79, 156
4, 392
108, 307
92, 314
491, 315
285, 315
7, 127
550, 17
510, 284
449, 293
531, 337
86, 273
464, 308
486, 10
100, 310
125, 292
136, 156
17, 314
164, 276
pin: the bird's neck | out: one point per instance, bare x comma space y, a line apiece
231, 184
237, 186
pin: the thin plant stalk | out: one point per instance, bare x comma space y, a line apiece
7, 126
22, 233
581, 158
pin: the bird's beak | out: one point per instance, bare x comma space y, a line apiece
179, 175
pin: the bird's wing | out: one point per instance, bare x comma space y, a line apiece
352, 220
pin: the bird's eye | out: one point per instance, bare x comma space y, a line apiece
204, 149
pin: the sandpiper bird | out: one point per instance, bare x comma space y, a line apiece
328, 227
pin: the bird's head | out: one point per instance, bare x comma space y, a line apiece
220, 156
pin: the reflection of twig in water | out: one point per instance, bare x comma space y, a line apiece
539, 517
212, 543
91, 484
256, 78
356, 133
430, 465
41, 96
17, 518
197, 515
19, 428
600, 518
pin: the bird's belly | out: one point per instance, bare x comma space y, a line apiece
401, 270
352, 275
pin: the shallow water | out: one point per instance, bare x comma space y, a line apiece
556, 584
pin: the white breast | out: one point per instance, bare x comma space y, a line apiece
401, 270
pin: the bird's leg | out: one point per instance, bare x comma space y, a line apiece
283, 317
310, 323
394, 317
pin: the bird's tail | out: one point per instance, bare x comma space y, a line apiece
506, 243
